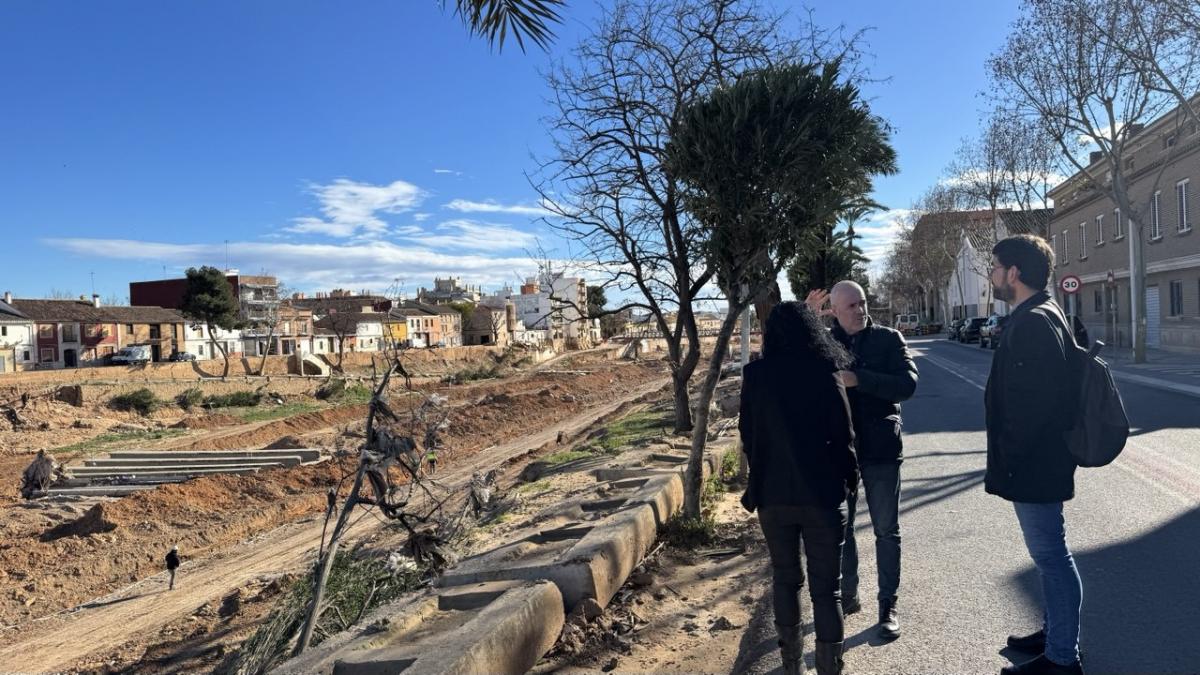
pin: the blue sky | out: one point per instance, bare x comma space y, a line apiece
348, 144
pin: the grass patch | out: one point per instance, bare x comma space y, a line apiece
141, 400
191, 398
483, 371
276, 412
355, 586
535, 486
340, 392
634, 429
237, 399
690, 533
565, 456
102, 441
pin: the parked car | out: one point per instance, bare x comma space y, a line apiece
132, 354
907, 323
931, 328
989, 332
952, 330
183, 356
970, 329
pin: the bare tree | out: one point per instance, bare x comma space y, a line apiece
1088, 95
614, 110
270, 316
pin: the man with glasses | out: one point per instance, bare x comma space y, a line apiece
1028, 462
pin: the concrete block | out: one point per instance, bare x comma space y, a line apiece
305, 454
278, 460
502, 627
584, 562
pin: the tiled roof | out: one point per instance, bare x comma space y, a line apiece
10, 313
84, 312
1036, 221
347, 319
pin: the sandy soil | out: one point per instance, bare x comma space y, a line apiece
115, 547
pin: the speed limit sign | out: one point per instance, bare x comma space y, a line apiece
1070, 284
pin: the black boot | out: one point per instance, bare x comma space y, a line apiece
791, 648
829, 658
1031, 644
889, 620
1043, 666
851, 606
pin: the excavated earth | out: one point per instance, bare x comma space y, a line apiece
56, 555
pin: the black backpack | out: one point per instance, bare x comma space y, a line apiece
1100, 426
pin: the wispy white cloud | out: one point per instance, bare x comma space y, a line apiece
471, 235
350, 208
421, 217
877, 232
448, 171
467, 206
311, 266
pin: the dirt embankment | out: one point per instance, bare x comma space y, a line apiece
44, 570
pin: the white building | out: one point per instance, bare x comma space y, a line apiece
969, 290
17, 349
198, 342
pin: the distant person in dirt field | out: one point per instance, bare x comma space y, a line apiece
172, 565
799, 442
431, 458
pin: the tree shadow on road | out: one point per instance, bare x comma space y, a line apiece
1139, 601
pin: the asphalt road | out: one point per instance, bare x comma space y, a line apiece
967, 580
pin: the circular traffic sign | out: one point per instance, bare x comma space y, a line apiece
1070, 284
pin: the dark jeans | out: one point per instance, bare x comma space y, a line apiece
1046, 538
882, 485
821, 530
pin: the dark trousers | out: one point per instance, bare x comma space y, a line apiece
171, 584
821, 530
881, 482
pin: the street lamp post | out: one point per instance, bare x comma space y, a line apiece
1111, 283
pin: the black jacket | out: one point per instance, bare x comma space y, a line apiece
172, 560
1028, 402
887, 375
796, 433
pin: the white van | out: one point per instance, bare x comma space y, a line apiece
907, 323
132, 354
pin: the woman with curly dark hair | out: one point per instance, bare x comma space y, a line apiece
798, 438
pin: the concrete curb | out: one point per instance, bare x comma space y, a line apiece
502, 627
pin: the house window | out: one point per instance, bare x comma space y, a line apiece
1118, 226
47, 355
69, 333
1155, 222
1065, 254
1181, 194
91, 330
1083, 240
1054, 246
129, 328
1099, 301
3, 331
1100, 229
200, 350
1176, 298
155, 331
25, 355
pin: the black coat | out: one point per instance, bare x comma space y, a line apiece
1029, 401
887, 375
796, 433
172, 560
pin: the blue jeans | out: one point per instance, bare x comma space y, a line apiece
1046, 538
882, 485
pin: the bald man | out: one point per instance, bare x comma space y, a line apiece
883, 375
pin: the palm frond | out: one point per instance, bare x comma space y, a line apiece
495, 20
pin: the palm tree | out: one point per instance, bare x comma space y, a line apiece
496, 19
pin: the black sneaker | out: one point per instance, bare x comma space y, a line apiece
1043, 666
1031, 644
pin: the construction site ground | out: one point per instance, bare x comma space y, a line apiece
81, 581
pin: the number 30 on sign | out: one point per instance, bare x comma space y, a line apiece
1070, 284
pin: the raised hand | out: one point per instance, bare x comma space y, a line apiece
817, 301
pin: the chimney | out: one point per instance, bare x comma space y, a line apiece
510, 317
8, 297
1095, 156
95, 300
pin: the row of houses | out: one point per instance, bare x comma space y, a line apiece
40, 334
1094, 241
